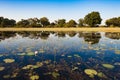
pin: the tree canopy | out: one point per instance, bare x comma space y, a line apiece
93, 19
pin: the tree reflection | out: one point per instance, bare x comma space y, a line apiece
113, 35
6, 35
92, 37
71, 34
61, 34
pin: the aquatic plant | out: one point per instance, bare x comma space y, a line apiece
30, 54
109, 66
41, 51
6, 76
8, 60
27, 67
75, 68
34, 77
69, 56
22, 54
2, 68
55, 74
117, 52
1, 55
90, 72
101, 75
76, 55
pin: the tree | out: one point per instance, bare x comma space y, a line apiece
93, 19
23, 23
8, 23
113, 22
81, 22
61, 22
1, 19
34, 22
71, 23
44, 22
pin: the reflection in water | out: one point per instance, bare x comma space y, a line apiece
113, 35
60, 56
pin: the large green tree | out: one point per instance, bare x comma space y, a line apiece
113, 22
23, 23
93, 19
71, 23
61, 22
81, 22
44, 22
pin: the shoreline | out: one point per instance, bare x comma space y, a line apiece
63, 29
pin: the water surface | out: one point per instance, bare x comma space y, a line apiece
60, 55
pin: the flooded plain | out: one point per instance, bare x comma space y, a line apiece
59, 55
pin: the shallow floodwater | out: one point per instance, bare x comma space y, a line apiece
59, 56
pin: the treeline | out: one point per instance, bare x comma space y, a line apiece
92, 19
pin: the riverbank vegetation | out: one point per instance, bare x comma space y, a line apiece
92, 19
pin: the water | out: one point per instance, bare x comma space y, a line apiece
59, 56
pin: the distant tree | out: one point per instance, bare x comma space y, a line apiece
81, 22
1, 19
23, 23
44, 22
61, 22
113, 22
34, 22
71, 23
8, 23
93, 19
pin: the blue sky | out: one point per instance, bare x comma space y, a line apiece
57, 9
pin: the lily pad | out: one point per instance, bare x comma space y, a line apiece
22, 54
69, 56
109, 66
117, 52
76, 55
55, 74
30, 54
34, 77
1, 55
91, 72
101, 75
2, 68
8, 60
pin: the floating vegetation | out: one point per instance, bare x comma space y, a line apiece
27, 67
14, 75
30, 54
38, 64
90, 72
101, 75
1, 55
76, 55
6, 76
75, 68
55, 74
41, 51
9, 60
2, 68
34, 77
78, 63
117, 51
109, 66
22, 54
30, 67
69, 56
47, 61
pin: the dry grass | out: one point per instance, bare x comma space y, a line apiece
62, 29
